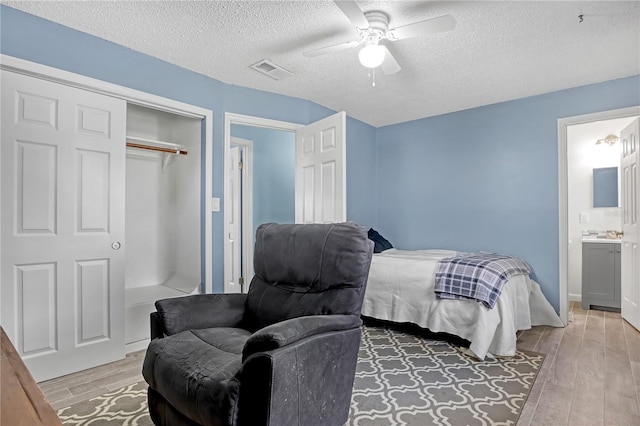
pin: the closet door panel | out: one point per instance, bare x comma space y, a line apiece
93, 121
35, 286
36, 109
93, 190
92, 300
62, 219
35, 188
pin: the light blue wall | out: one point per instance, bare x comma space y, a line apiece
480, 179
485, 178
34, 39
361, 180
274, 162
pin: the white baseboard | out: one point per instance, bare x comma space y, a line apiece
136, 346
575, 297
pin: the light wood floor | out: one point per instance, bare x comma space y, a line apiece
84, 385
591, 374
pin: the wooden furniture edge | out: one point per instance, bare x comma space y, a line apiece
22, 401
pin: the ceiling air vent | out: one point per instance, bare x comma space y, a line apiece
270, 69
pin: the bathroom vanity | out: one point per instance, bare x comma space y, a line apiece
600, 273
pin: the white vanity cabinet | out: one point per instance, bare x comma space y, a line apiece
600, 274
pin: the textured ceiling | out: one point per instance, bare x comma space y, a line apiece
498, 51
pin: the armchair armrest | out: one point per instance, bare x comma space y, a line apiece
292, 330
199, 311
157, 329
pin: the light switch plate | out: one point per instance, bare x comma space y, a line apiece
215, 204
584, 217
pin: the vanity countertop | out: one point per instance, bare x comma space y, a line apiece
600, 240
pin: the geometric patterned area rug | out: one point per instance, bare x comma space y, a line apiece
401, 379
125, 406
404, 379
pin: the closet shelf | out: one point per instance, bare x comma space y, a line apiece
175, 286
148, 295
150, 144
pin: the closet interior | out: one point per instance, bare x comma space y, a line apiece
162, 213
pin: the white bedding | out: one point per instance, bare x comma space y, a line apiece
400, 289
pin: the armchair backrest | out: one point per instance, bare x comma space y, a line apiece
310, 269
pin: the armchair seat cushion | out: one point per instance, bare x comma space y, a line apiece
195, 371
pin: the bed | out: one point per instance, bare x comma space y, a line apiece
401, 289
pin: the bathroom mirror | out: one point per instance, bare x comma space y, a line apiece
605, 187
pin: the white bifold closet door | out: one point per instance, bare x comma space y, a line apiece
62, 221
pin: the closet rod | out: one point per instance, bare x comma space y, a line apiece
156, 148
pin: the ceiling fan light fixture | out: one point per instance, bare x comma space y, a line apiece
371, 55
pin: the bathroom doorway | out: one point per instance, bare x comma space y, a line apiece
570, 130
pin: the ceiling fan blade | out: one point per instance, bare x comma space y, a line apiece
351, 9
331, 49
429, 26
389, 64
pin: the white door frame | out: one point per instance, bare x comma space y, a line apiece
56, 75
563, 192
245, 120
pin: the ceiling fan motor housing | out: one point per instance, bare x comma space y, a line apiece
378, 25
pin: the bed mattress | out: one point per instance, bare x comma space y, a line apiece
401, 289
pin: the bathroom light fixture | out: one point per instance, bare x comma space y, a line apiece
609, 140
371, 55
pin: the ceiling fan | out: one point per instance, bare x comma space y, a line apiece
372, 27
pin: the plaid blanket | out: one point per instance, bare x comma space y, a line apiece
478, 276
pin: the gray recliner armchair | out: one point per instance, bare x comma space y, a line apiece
283, 354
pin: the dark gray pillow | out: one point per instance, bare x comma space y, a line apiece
380, 243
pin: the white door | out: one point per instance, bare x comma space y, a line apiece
62, 220
321, 171
630, 188
238, 270
233, 267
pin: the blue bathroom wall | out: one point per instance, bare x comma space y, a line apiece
486, 178
274, 162
34, 39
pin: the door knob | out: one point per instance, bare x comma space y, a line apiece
115, 245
